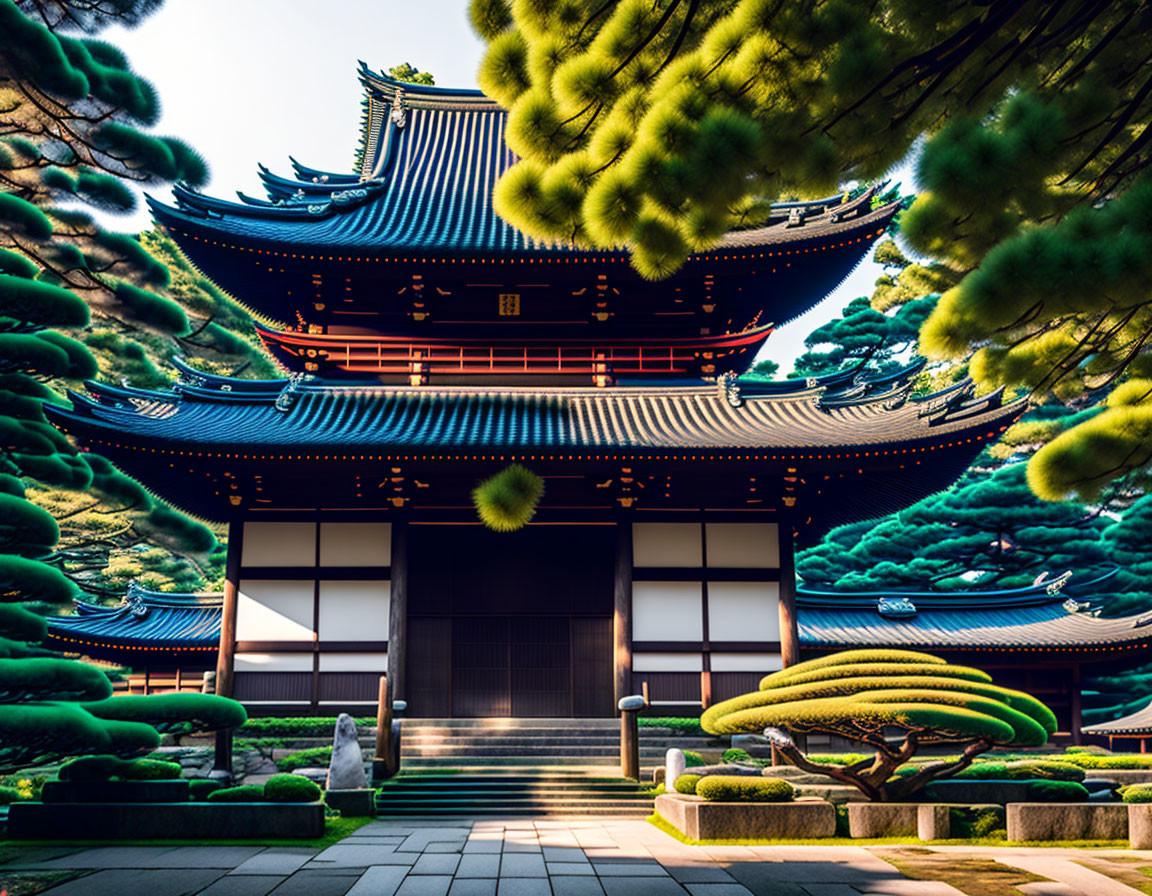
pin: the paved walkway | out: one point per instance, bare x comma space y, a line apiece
511, 858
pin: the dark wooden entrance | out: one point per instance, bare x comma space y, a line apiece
510, 625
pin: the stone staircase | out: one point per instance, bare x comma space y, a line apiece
498, 792
503, 767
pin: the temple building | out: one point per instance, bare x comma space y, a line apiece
428, 345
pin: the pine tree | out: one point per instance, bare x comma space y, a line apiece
659, 126
987, 532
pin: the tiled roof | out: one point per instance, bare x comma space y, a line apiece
1028, 619
145, 620
689, 417
1137, 724
432, 159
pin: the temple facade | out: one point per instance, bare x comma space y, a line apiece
428, 345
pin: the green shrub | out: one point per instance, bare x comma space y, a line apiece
290, 789
838, 758
986, 821
1057, 792
686, 784
692, 758
842, 827
249, 793
314, 757
678, 724
745, 789
1021, 770
200, 789
736, 755
1137, 793
304, 726
149, 770
10, 795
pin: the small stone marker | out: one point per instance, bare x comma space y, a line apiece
674, 765
346, 771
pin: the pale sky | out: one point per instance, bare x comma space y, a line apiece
248, 81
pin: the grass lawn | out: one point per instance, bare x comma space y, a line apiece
335, 829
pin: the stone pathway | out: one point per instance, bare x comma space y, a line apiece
604, 857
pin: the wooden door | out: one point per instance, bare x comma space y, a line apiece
429, 667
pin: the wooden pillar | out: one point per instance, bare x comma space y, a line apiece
789, 626
226, 656
398, 614
1077, 721
622, 613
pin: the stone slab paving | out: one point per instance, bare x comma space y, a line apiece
586, 857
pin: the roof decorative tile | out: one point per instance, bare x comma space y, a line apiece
146, 620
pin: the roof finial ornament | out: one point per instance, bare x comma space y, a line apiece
287, 396
399, 114
729, 389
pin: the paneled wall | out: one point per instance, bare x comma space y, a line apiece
312, 614
705, 609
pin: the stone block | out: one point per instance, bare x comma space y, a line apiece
1067, 821
700, 819
1139, 825
869, 820
933, 821
352, 803
152, 821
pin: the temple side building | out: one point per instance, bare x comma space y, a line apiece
428, 345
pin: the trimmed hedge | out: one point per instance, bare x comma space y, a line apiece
736, 755
316, 756
290, 789
686, 784
1137, 793
1021, 771
248, 793
311, 726
1057, 792
200, 790
692, 758
150, 770
744, 789
108, 768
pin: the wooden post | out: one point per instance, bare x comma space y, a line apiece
789, 627
622, 613
1077, 720
226, 656
630, 736
382, 761
398, 614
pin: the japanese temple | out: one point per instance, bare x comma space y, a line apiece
428, 345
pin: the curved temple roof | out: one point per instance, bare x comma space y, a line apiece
1035, 619
431, 159
145, 621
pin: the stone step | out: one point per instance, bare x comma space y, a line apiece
519, 762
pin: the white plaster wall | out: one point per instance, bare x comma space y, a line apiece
273, 662
279, 544
747, 662
355, 544
354, 611
743, 545
354, 662
269, 610
666, 544
667, 662
667, 611
743, 611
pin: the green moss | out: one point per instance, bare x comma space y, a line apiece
290, 789
693, 759
686, 784
249, 793
316, 756
745, 789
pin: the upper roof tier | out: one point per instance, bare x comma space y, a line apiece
430, 159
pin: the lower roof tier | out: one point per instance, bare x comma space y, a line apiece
218, 447
149, 623
586, 361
